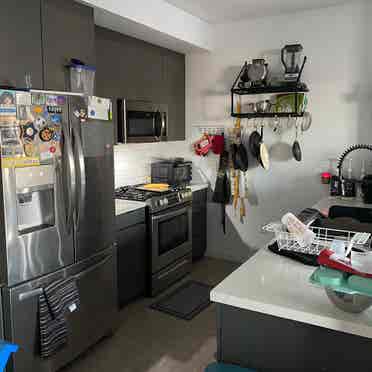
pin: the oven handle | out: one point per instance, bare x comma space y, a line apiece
176, 213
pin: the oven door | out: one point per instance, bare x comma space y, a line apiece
171, 236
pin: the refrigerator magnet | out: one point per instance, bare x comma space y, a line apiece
61, 100
23, 98
6, 151
7, 98
29, 132
29, 149
38, 110
22, 112
56, 136
52, 100
56, 119
54, 109
39, 122
38, 99
46, 134
10, 136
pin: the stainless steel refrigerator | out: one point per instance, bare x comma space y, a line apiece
56, 220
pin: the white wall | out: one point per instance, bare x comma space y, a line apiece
337, 42
154, 21
339, 74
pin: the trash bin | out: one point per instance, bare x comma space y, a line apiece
6, 349
220, 367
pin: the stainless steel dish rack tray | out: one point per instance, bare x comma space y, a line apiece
323, 238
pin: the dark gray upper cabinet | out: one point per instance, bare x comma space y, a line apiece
141, 71
68, 32
134, 73
174, 72
20, 38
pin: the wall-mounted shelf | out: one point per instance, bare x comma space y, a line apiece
295, 88
269, 89
252, 115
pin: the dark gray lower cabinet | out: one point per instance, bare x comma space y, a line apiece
199, 224
132, 260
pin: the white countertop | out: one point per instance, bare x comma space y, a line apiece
198, 187
275, 285
125, 206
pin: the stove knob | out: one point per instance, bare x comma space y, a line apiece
166, 202
161, 202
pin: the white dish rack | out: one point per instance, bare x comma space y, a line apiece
323, 238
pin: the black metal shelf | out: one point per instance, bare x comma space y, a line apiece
252, 115
282, 89
295, 88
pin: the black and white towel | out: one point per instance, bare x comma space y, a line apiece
57, 300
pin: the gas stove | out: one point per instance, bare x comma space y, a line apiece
156, 201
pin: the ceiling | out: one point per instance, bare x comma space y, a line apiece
221, 11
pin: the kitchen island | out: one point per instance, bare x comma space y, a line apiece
271, 318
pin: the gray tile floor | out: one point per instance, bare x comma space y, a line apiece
151, 341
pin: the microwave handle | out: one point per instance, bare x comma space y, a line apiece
124, 121
163, 125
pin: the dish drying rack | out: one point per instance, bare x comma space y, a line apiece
322, 240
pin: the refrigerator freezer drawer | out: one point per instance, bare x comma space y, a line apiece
96, 317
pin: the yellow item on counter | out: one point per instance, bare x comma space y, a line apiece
155, 187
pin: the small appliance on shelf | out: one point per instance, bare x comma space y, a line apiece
254, 74
291, 59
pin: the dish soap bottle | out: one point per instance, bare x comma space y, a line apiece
362, 175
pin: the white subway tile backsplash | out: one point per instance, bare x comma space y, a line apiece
133, 161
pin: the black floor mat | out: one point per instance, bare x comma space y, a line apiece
186, 301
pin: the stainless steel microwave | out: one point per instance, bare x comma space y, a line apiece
141, 121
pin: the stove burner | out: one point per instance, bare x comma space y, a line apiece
131, 193
154, 200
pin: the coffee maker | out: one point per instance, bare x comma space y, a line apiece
367, 189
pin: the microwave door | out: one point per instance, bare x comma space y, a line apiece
141, 126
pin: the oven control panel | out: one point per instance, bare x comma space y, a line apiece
169, 200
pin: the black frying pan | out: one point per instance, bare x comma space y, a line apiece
254, 143
296, 148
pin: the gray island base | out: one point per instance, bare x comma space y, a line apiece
268, 343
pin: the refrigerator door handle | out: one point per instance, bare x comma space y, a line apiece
33, 293
82, 175
72, 184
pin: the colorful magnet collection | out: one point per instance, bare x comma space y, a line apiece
30, 127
